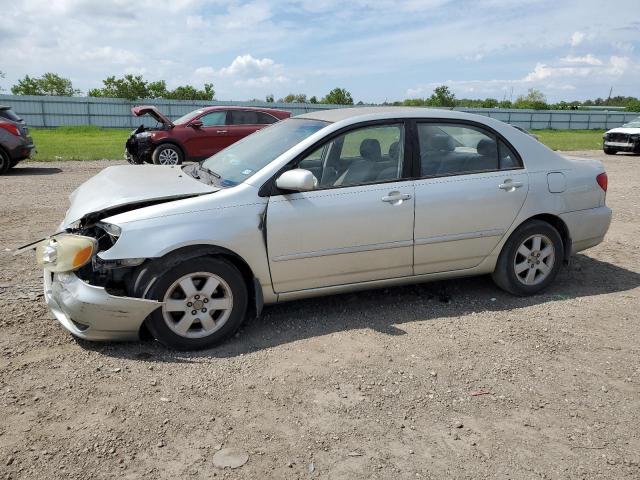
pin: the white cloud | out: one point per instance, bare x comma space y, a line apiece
245, 70
588, 59
577, 38
109, 55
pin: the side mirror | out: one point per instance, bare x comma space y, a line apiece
297, 180
196, 124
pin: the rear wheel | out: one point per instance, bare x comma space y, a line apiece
167, 154
5, 162
204, 302
530, 260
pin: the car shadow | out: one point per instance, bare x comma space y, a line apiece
20, 171
386, 310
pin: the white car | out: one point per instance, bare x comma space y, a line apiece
327, 202
623, 139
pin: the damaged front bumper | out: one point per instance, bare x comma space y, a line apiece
90, 312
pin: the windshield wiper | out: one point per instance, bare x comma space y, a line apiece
210, 172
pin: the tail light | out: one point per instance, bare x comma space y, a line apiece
603, 181
11, 128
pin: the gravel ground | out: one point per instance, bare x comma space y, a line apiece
370, 385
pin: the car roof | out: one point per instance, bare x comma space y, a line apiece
273, 111
5, 107
380, 113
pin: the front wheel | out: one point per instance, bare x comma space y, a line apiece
530, 260
5, 162
609, 151
167, 154
204, 302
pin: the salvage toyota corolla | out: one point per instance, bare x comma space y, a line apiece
326, 202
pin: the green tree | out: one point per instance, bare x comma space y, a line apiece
134, 87
294, 98
534, 99
269, 98
313, 99
1, 77
442, 97
48, 84
338, 96
633, 105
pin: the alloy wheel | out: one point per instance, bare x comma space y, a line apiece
168, 156
534, 259
197, 304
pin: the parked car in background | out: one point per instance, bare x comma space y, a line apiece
327, 202
524, 130
15, 142
196, 135
623, 139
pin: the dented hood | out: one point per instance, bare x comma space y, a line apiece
153, 112
131, 185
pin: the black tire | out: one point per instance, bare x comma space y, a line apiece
505, 274
159, 280
167, 148
609, 151
5, 162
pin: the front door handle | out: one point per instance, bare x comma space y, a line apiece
395, 197
509, 186
221, 131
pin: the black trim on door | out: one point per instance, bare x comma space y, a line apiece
269, 188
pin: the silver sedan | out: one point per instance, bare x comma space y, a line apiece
327, 202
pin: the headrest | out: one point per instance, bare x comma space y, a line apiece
442, 142
370, 150
487, 148
394, 151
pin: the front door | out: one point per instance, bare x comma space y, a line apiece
472, 188
356, 226
211, 137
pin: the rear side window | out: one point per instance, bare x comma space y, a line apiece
9, 115
266, 119
214, 119
244, 117
454, 149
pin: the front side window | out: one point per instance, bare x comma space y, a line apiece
365, 155
454, 149
214, 119
238, 162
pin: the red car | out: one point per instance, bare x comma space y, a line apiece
196, 135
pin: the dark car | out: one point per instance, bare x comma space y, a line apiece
196, 135
15, 142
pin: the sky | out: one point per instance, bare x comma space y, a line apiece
378, 50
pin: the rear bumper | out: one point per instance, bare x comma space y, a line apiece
587, 227
89, 312
22, 151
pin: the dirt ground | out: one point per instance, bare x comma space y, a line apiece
373, 385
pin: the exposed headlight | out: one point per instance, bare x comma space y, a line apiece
65, 253
144, 135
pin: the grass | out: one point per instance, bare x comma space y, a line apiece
79, 143
571, 139
94, 143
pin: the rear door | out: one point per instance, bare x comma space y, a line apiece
357, 225
244, 122
472, 186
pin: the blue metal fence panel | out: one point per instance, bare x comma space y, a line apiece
116, 113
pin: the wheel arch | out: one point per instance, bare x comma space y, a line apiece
175, 143
139, 280
557, 223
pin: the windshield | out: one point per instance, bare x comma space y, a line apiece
635, 123
187, 118
238, 162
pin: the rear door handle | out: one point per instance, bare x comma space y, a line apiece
396, 197
510, 186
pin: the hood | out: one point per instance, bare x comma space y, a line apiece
153, 112
116, 187
628, 130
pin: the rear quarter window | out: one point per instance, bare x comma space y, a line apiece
9, 115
